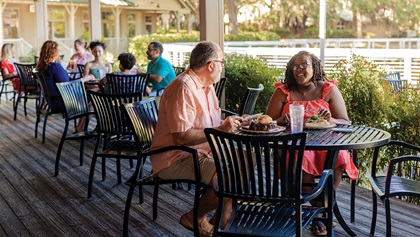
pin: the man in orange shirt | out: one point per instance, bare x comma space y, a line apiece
188, 105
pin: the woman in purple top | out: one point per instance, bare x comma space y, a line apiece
53, 72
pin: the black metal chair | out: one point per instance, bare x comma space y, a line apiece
262, 175
114, 126
29, 87
178, 70
219, 88
81, 68
122, 84
76, 106
50, 107
402, 179
143, 117
248, 102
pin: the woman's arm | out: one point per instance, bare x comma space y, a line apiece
337, 106
86, 76
7, 75
275, 107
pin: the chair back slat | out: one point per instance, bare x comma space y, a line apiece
250, 99
143, 116
219, 87
26, 74
122, 84
81, 68
74, 97
258, 167
109, 111
393, 76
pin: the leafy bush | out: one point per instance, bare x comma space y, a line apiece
362, 88
370, 102
246, 71
341, 34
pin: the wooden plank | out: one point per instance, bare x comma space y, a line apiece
35, 203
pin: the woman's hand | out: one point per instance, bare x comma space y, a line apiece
325, 114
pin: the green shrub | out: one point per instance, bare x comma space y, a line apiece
370, 102
341, 34
246, 71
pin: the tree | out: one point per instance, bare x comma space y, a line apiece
232, 11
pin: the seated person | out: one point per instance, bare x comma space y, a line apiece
127, 61
8, 70
97, 68
48, 63
160, 69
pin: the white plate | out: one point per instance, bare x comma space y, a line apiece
319, 126
273, 130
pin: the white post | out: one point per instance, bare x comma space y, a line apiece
95, 19
322, 27
41, 19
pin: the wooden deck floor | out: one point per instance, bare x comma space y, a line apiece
33, 202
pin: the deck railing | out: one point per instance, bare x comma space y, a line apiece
404, 60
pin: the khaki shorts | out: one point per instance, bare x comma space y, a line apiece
184, 169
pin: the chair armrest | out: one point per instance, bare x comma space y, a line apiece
327, 174
190, 150
229, 113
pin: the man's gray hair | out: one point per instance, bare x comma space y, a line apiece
203, 53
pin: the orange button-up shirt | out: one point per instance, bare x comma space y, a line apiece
185, 104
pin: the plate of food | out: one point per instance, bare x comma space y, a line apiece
317, 122
263, 124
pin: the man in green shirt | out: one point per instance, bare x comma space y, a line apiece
160, 69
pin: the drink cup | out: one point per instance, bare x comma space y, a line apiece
296, 118
72, 64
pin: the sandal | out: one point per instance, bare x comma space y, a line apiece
319, 228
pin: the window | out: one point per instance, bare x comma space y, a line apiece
57, 23
149, 21
131, 20
11, 23
340, 25
108, 24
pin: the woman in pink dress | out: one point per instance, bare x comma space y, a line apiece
7, 68
305, 84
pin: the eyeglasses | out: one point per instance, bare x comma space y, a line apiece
301, 66
223, 61
148, 50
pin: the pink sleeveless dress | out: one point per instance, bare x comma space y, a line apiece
313, 161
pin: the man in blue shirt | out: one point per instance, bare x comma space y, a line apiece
160, 69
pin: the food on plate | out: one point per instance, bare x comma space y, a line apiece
263, 123
316, 120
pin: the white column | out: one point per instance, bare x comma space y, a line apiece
322, 22
117, 13
211, 21
71, 10
95, 20
41, 19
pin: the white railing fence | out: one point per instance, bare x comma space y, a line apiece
405, 61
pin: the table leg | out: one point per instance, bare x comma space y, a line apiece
330, 162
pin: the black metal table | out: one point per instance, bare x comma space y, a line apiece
327, 139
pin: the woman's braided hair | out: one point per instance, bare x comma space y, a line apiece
319, 73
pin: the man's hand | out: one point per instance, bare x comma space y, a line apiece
230, 124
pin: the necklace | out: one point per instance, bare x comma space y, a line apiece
306, 91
